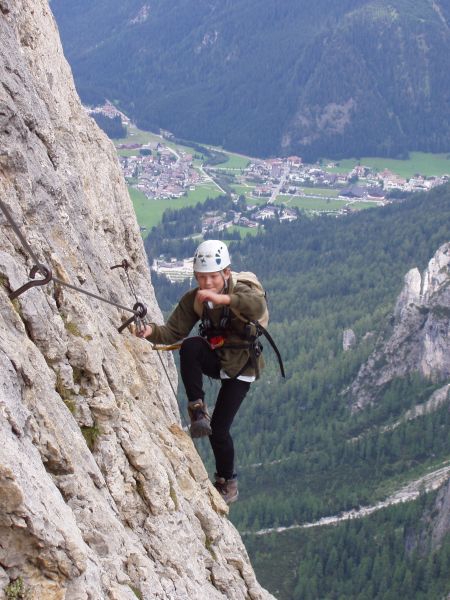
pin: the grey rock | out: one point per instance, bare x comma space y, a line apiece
419, 340
101, 491
348, 339
441, 523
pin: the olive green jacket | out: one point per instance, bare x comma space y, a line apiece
246, 301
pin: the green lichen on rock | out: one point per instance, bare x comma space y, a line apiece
16, 590
136, 591
90, 434
65, 393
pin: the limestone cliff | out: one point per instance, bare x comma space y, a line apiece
419, 339
102, 494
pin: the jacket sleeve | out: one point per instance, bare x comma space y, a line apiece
248, 301
179, 324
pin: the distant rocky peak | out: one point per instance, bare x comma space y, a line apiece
437, 275
419, 290
141, 16
419, 341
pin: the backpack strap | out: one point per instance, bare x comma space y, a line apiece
256, 346
263, 331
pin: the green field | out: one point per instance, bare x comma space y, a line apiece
242, 189
312, 204
258, 200
419, 162
357, 205
137, 136
149, 212
234, 161
316, 191
245, 231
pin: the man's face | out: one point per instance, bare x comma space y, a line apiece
212, 281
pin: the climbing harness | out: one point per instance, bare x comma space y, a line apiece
139, 309
216, 336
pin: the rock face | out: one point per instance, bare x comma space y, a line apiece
102, 494
419, 340
441, 522
348, 339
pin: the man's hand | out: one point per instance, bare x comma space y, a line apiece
143, 332
214, 297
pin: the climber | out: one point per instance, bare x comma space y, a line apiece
225, 349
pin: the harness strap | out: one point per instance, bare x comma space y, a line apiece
254, 347
271, 341
260, 330
162, 348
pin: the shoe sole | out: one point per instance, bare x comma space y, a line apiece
231, 500
200, 429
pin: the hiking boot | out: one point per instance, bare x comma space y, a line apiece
227, 488
199, 416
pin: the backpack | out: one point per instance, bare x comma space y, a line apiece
252, 281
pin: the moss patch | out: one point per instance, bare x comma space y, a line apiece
90, 434
209, 547
72, 328
16, 589
65, 393
136, 591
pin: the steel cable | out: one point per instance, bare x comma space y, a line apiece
140, 320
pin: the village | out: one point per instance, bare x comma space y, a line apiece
285, 175
163, 171
262, 190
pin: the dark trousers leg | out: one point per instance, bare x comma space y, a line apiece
231, 395
196, 359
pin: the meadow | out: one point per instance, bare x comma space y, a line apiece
312, 204
149, 212
423, 163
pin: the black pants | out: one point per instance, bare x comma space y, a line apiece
197, 359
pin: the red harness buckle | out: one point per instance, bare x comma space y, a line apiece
216, 342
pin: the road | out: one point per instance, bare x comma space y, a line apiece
427, 483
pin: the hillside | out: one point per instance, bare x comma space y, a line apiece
385, 549
353, 78
102, 494
304, 455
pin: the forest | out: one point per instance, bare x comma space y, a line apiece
112, 126
376, 558
322, 79
301, 453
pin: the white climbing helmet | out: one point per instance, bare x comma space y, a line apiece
211, 256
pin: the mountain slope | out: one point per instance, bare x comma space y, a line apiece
354, 78
345, 466
102, 495
419, 341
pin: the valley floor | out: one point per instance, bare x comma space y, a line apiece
427, 483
